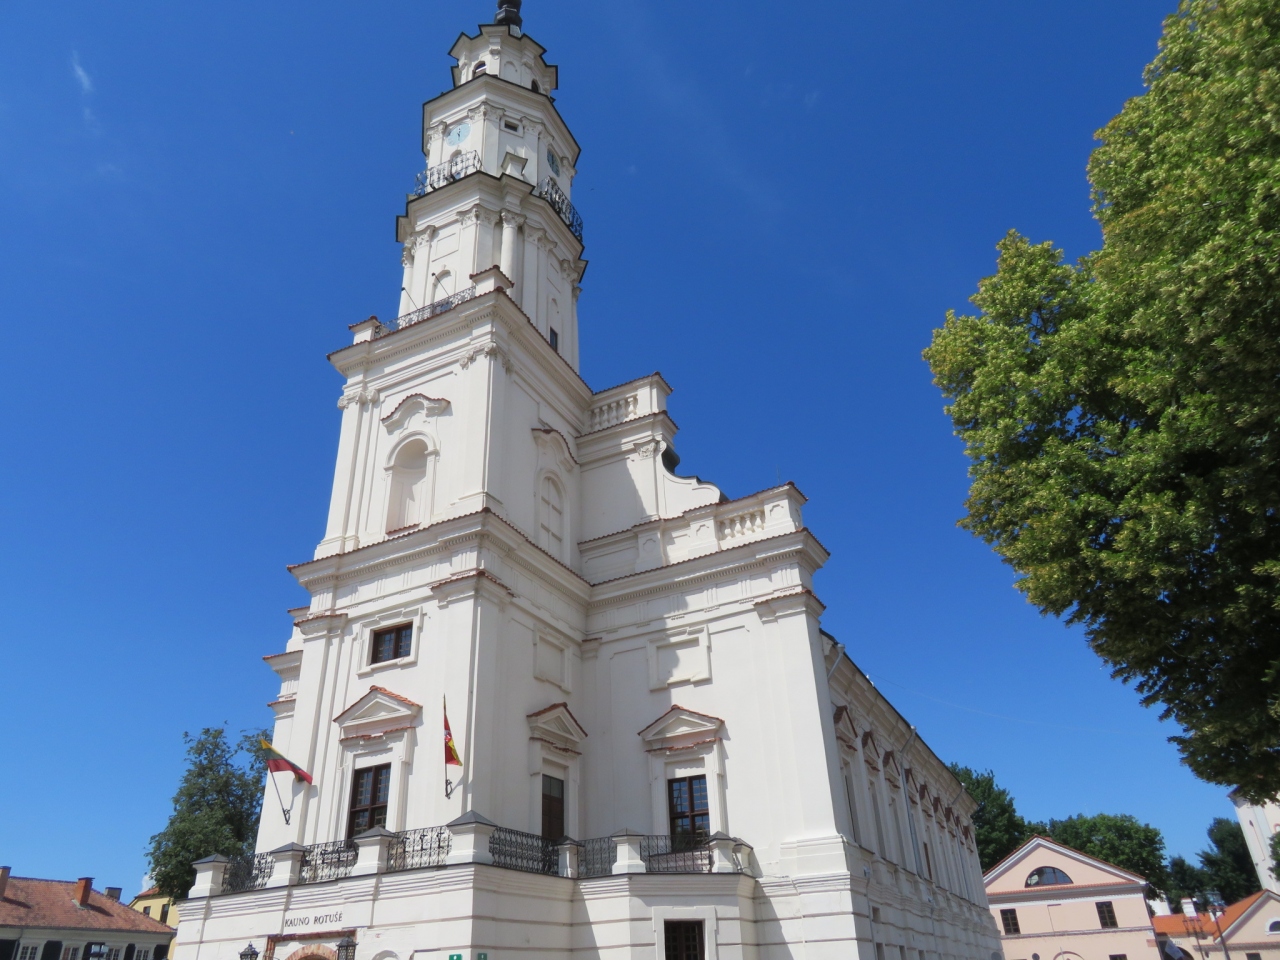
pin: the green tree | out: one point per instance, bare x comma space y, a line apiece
1274, 844
997, 828
1185, 880
214, 811
1121, 414
1227, 865
1122, 840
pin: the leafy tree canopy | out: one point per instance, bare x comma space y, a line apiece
998, 830
1121, 414
1227, 865
214, 811
1122, 840
1185, 880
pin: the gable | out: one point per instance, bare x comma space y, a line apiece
1010, 875
1250, 926
681, 726
378, 711
557, 725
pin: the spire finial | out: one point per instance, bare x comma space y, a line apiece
509, 13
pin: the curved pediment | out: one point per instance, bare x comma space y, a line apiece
414, 405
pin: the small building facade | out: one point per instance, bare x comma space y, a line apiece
69, 920
1051, 902
154, 904
1247, 930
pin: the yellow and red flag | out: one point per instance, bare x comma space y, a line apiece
451, 757
277, 761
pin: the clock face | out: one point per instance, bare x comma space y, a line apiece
458, 134
553, 162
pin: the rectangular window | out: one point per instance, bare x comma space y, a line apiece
552, 808
28, 951
113, 953
683, 939
554, 339
369, 793
70, 953
1009, 918
146, 911
144, 953
392, 643
511, 125
164, 913
1118, 956
1253, 956
1106, 914
687, 806
928, 864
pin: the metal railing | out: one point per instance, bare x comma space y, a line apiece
433, 178
550, 191
327, 861
517, 850
678, 854
434, 309
597, 857
250, 872
413, 849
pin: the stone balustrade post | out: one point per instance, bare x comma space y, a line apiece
372, 849
287, 869
722, 853
470, 839
209, 874
628, 859
569, 849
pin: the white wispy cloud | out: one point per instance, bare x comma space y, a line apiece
81, 74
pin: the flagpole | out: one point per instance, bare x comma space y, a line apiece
448, 784
278, 797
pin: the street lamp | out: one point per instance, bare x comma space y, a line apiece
250, 952
346, 948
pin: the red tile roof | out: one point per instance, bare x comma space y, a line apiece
1178, 925
28, 902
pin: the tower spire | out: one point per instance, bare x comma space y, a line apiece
509, 13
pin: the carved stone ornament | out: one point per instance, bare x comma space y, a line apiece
369, 395
413, 405
490, 350
512, 219
648, 449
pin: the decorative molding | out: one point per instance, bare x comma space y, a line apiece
413, 404
368, 395
491, 350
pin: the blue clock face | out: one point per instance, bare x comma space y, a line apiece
458, 134
553, 162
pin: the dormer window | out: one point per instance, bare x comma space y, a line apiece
1047, 877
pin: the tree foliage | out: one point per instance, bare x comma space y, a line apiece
997, 828
1119, 839
1185, 880
1122, 415
1227, 865
214, 811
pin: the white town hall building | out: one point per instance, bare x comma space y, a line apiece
629, 659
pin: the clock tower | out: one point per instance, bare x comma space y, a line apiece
500, 120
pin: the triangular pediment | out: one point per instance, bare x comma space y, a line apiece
557, 724
679, 723
378, 710
1011, 873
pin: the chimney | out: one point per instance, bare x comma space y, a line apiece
114, 893
4, 880
84, 886
1189, 908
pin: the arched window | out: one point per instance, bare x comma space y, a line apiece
551, 518
408, 505
1046, 877
533, 85
1273, 926
481, 67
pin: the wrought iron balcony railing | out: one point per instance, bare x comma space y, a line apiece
550, 191
678, 854
433, 178
597, 857
414, 849
248, 873
328, 861
434, 309
517, 850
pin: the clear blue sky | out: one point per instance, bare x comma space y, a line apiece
781, 202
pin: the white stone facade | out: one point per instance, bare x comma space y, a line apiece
591, 617
1260, 822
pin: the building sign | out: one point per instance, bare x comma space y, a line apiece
318, 921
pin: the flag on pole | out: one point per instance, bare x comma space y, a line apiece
277, 761
451, 757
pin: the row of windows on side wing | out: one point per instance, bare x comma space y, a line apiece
1106, 918
92, 951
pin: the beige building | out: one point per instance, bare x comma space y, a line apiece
1246, 930
1051, 902
154, 904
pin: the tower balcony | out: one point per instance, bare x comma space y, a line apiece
443, 174
471, 839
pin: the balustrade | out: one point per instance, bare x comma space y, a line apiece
614, 411
744, 524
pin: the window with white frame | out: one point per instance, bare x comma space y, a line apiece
144, 953
70, 953
29, 951
113, 953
